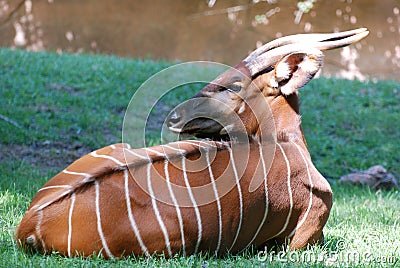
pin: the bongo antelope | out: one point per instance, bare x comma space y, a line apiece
194, 196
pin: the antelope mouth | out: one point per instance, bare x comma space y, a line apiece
199, 127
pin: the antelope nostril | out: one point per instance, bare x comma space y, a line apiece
174, 118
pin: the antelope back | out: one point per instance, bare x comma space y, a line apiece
117, 201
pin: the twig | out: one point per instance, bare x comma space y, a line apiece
8, 120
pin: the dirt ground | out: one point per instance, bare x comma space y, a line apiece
44, 155
55, 155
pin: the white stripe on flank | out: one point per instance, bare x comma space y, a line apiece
98, 216
64, 193
196, 209
69, 187
132, 152
94, 154
311, 193
221, 143
196, 144
240, 196
43, 205
71, 209
173, 148
113, 146
217, 199
130, 214
266, 193
76, 173
37, 229
289, 191
54, 187
178, 211
156, 211
154, 151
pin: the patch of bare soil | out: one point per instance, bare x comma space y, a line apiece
55, 155
44, 155
156, 118
62, 87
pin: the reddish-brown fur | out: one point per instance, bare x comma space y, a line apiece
116, 201
118, 231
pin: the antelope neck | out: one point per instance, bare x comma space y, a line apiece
286, 115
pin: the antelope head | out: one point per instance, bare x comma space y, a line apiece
238, 100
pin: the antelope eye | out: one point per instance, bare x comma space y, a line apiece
234, 87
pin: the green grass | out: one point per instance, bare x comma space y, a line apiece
66, 105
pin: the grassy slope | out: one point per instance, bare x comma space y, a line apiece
63, 102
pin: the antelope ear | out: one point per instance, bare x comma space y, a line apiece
295, 70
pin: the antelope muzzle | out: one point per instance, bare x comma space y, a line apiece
202, 117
